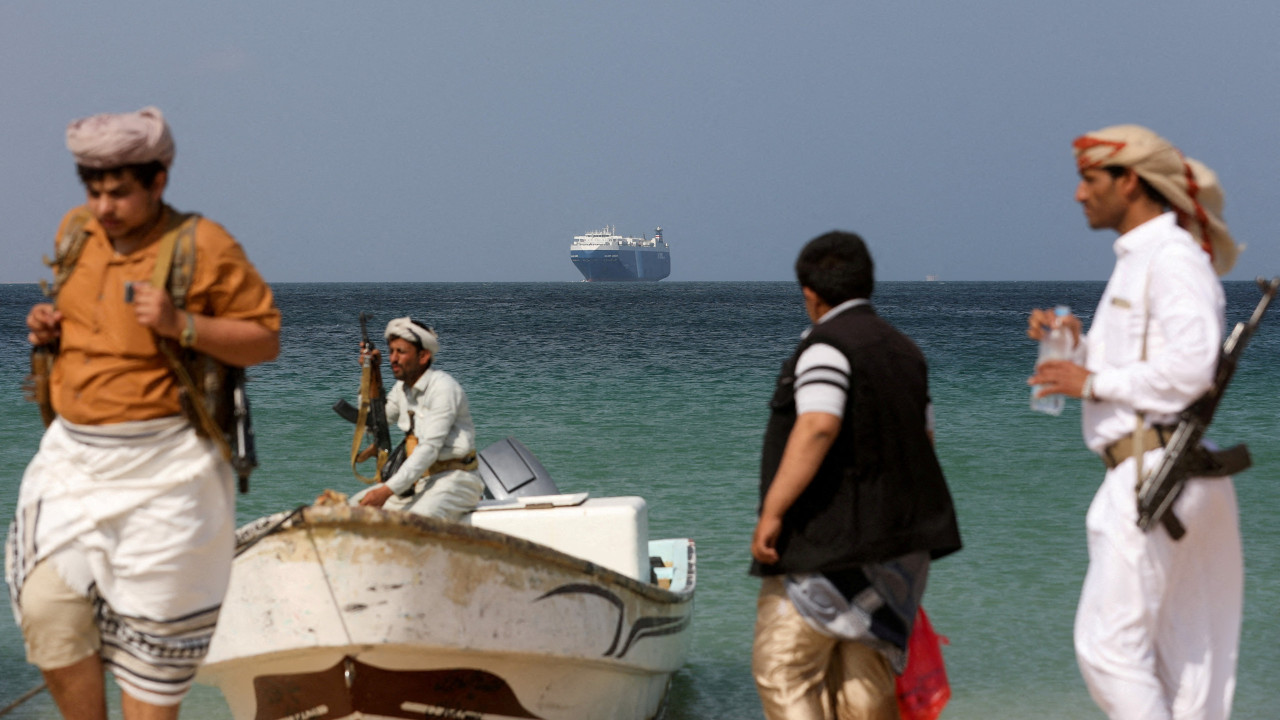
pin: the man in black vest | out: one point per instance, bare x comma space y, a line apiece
853, 502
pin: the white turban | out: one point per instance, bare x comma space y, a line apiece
1189, 185
421, 335
112, 140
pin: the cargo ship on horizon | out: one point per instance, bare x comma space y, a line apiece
606, 256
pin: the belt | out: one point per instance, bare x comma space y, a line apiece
1122, 449
463, 463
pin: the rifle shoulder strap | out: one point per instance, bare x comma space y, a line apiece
67, 251
176, 258
175, 265
1141, 418
183, 261
362, 419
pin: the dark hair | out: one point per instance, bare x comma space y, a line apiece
415, 341
418, 344
837, 266
144, 173
1152, 194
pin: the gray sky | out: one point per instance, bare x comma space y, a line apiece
469, 141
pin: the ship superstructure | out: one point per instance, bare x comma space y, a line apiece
604, 255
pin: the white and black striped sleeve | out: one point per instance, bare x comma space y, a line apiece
822, 380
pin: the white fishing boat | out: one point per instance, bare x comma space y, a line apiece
553, 606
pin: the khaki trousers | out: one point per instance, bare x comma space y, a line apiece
58, 624
802, 674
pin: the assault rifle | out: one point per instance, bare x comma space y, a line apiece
1184, 457
371, 417
377, 399
244, 452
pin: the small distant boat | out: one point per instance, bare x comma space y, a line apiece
606, 256
555, 607
930, 278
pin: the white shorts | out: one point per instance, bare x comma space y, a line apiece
139, 520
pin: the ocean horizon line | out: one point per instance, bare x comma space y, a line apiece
636, 283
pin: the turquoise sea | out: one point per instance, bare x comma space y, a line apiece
660, 390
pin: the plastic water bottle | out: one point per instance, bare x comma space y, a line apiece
1055, 345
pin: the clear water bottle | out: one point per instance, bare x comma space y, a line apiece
1055, 345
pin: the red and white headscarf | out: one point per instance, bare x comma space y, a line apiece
1189, 185
113, 140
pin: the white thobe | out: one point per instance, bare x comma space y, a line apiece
1157, 629
436, 411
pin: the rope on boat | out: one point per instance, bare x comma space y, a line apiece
24, 697
250, 534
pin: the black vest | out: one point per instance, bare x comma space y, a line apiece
880, 492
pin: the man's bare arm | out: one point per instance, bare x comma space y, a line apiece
232, 340
807, 446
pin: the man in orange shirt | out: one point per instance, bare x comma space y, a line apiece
121, 547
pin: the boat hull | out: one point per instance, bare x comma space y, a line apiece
351, 612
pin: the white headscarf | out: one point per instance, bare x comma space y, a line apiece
112, 140
1189, 185
406, 329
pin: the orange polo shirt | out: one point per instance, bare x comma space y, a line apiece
109, 368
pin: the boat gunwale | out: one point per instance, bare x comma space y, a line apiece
357, 517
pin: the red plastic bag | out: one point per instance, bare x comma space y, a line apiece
923, 689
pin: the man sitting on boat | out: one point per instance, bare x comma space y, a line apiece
438, 477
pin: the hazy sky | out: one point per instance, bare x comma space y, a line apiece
469, 141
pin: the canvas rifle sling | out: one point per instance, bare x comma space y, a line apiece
67, 252
362, 417
35, 387
179, 242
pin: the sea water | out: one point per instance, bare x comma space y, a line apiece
661, 390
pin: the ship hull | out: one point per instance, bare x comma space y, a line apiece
622, 265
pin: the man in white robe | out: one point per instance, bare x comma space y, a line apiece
1158, 625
